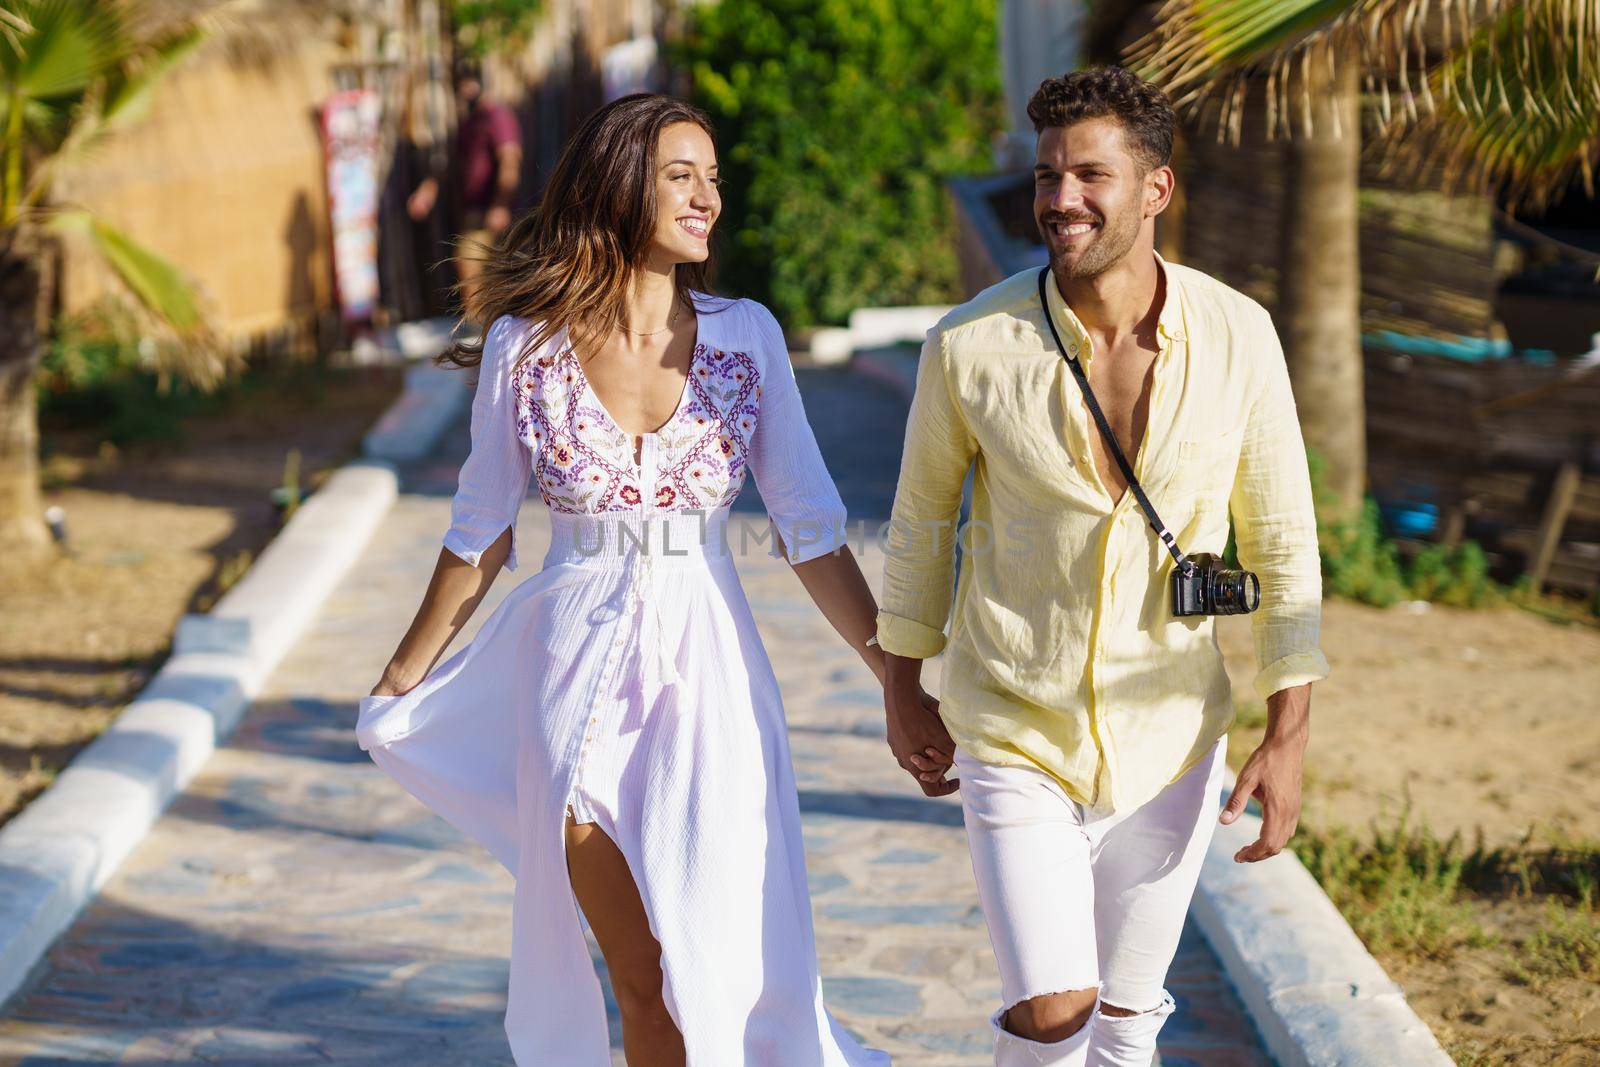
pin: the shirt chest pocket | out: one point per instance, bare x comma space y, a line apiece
1207, 465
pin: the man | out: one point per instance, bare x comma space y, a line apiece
1087, 721
489, 154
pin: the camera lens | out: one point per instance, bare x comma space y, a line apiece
1234, 592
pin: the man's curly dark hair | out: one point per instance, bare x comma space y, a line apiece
1110, 92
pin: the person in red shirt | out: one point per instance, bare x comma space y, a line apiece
489, 154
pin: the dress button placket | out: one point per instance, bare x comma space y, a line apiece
649, 474
639, 568
639, 573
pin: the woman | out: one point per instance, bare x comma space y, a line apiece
614, 732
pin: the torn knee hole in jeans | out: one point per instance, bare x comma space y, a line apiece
1091, 991
1004, 1021
1113, 1011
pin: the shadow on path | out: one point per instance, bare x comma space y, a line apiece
879, 807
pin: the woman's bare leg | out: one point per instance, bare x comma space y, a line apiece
610, 901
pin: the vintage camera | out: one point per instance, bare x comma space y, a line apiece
1212, 589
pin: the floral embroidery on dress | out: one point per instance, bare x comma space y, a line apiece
583, 462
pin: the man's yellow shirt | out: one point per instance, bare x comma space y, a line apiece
1063, 650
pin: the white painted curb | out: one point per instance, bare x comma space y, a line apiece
408, 430
1315, 992
63, 847
874, 328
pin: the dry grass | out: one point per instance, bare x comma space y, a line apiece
154, 532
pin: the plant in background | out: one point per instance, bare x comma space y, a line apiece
231, 571
487, 26
89, 350
73, 73
287, 495
1361, 562
1566, 945
1458, 577
838, 122
97, 371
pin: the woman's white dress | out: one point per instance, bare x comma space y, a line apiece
626, 680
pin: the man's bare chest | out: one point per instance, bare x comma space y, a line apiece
1122, 381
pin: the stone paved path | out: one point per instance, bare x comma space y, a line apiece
296, 907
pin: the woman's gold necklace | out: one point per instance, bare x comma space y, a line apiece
672, 321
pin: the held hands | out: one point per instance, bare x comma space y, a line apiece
917, 737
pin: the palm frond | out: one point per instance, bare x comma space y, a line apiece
80, 70
167, 308
1520, 110
1207, 49
62, 48
119, 100
54, 51
123, 98
1204, 50
157, 284
257, 33
129, 88
1536, 57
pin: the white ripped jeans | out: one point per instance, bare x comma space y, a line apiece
1075, 900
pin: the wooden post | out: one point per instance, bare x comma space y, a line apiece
1455, 525
1556, 509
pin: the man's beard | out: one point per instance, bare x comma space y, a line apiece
1113, 240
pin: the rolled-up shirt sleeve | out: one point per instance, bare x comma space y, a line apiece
1275, 526
939, 448
799, 493
494, 479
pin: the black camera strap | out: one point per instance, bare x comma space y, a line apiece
1184, 563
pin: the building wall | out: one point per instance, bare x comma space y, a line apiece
225, 175
224, 178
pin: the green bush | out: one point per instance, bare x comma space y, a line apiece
488, 26
1566, 945
89, 350
96, 372
838, 122
1360, 561
1458, 577
102, 372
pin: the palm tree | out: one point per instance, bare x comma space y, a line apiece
72, 73
1492, 93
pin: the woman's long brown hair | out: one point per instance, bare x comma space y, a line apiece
567, 263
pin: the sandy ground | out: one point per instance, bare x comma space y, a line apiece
153, 534
1484, 719
1480, 721
1485, 1012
